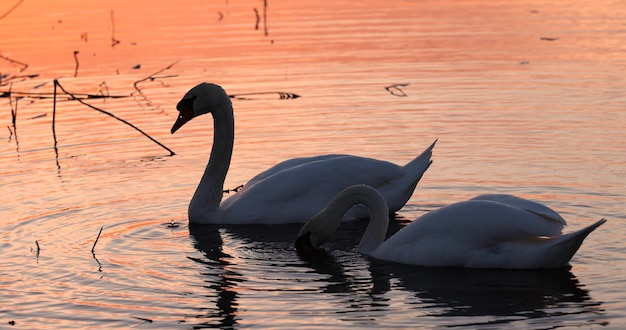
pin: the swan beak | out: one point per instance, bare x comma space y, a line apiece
303, 243
185, 114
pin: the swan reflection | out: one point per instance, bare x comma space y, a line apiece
221, 280
244, 265
521, 294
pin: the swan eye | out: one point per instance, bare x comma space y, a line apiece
180, 116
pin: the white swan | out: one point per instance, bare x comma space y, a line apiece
489, 231
292, 191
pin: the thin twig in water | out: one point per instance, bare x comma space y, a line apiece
54, 134
51, 95
38, 249
56, 83
10, 78
395, 89
93, 253
101, 91
256, 25
154, 76
143, 319
24, 65
14, 120
236, 189
113, 40
13, 112
265, 17
94, 243
76, 61
54, 115
281, 95
38, 116
12, 9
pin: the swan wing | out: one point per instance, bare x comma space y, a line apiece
528, 205
287, 164
456, 234
295, 190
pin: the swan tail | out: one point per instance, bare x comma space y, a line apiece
420, 164
563, 248
413, 172
416, 168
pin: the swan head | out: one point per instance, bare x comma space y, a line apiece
201, 99
315, 232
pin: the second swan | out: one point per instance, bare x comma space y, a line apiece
488, 231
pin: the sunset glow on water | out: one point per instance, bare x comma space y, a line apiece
525, 98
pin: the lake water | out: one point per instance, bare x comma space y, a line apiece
524, 97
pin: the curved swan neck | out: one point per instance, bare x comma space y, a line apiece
205, 203
324, 224
379, 220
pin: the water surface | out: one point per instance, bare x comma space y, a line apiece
524, 98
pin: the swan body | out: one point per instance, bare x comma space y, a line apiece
293, 190
488, 231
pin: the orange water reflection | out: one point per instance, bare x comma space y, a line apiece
513, 113
43, 34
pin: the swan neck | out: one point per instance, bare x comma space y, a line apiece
377, 227
204, 206
328, 220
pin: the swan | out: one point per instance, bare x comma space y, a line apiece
291, 191
488, 231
